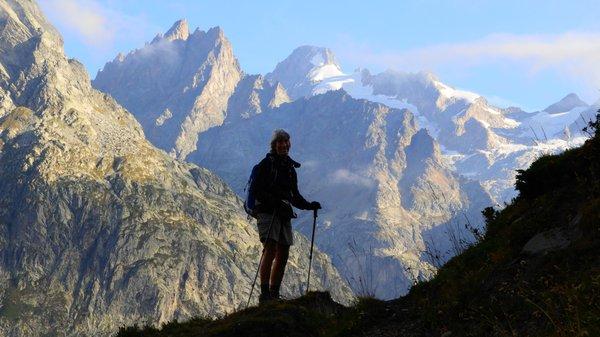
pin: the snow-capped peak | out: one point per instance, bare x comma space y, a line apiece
450, 92
305, 66
318, 56
317, 60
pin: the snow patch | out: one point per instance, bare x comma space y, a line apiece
352, 84
333, 83
324, 72
550, 124
450, 92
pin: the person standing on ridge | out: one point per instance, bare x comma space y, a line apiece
276, 191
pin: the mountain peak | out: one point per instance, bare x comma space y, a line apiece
179, 31
313, 55
22, 20
568, 103
305, 66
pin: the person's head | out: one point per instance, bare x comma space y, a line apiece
280, 142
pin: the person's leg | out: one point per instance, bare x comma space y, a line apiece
269, 254
278, 269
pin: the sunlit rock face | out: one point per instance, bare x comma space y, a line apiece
177, 86
98, 228
252, 96
182, 84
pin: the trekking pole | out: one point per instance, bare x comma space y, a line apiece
312, 241
261, 259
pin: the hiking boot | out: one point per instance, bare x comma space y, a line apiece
265, 294
277, 299
274, 293
264, 298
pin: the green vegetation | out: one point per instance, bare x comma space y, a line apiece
535, 272
498, 288
13, 307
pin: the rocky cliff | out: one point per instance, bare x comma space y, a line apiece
177, 86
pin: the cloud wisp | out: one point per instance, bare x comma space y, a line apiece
87, 19
343, 176
97, 26
574, 54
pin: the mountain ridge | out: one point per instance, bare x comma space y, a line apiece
194, 77
472, 132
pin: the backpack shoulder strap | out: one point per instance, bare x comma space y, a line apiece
274, 170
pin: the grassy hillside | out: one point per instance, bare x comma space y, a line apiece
535, 273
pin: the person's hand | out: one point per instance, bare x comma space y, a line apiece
315, 205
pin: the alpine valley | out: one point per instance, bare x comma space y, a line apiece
120, 197
402, 162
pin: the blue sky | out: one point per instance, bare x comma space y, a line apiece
525, 53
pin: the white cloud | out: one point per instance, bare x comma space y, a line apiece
87, 19
574, 53
343, 176
310, 164
95, 25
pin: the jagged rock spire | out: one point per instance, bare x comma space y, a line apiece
179, 31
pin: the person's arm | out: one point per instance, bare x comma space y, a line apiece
297, 199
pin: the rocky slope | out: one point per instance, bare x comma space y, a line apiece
252, 96
98, 228
181, 84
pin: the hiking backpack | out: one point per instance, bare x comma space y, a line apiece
250, 203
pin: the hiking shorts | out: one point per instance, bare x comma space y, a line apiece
281, 230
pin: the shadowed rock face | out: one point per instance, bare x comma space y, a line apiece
376, 174
98, 228
252, 96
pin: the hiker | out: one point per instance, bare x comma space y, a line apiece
276, 191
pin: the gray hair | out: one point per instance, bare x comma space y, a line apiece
278, 134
